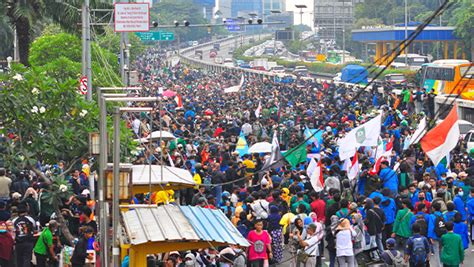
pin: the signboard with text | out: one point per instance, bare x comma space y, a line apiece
155, 36
132, 17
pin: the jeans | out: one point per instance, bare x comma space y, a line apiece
377, 238
23, 253
436, 259
332, 258
344, 261
40, 260
217, 191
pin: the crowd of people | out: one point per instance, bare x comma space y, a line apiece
409, 212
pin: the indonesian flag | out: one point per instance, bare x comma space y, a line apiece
376, 167
388, 148
258, 110
443, 138
353, 170
317, 179
179, 100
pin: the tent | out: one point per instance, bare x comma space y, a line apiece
354, 74
173, 178
158, 229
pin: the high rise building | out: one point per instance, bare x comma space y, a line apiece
207, 7
273, 5
332, 16
241, 8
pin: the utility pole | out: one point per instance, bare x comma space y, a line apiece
86, 48
406, 33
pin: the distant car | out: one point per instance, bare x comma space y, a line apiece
245, 66
213, 53
218, 60
337, 78
300, 71
278, 69
217, 46
396, 80
228, 62
195, 43
469, 140
259, 68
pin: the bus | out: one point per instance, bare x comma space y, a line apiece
442, 76
415, 61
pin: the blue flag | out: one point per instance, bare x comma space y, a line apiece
316, 139
242, 147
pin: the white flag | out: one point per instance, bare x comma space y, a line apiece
366, 134
235, 88
419, 132
276, 158
258, 110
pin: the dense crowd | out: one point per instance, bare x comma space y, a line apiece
407, 212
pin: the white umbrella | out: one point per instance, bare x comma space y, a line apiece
261, 147
155, 136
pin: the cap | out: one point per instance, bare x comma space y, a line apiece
462, 174
85, 192
390, 242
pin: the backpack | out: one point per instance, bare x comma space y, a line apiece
421, 221
24, 229
439, 226
397, 259
418, 250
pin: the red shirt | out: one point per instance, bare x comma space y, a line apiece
427, 205
319, 207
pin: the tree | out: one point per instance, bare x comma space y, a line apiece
464, 17
47, 120
25, 15
59, 56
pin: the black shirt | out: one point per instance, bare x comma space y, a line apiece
375, 220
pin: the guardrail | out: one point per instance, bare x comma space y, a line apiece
186, 57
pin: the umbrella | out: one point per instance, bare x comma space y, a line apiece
209, 112
261, 147
169, 93
155, 136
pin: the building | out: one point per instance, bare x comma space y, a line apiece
242, 8
332, 16
305, 18
207, 8
273, 5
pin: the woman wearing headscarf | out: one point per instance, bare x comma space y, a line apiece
275, 230
344, 248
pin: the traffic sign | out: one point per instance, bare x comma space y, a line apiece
167, 36
83, 85
155, 36
231, 25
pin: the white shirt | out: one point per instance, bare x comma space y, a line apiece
247, 129
344, 242
312, 248
136, 125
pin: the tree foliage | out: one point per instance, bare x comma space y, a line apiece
46, 120
59, 55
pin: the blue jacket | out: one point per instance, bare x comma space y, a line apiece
413, 218
431, 225
390, 180
459, 204
390, 210
470, 209
449, 215
460, 228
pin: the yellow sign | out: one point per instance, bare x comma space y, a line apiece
321, 57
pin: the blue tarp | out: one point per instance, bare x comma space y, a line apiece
354, 74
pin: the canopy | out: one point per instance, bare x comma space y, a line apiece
354, 74
173, 178
155, 136
151, 229
261, 147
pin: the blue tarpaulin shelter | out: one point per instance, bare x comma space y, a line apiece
354, 74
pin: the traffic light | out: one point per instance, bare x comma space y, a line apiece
186, 23
176, 23
259, 21
155, 24
250, 21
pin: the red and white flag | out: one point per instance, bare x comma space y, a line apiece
258, 110
179, 100
443, 138
388, 148
317, 179
353, 170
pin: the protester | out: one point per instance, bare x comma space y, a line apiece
452, 251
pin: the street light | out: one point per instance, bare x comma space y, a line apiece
301, 7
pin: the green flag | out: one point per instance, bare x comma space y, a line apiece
296, 155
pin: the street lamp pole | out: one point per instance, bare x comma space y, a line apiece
116, 188
406, 33
301, 12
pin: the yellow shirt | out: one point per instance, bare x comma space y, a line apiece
249, 164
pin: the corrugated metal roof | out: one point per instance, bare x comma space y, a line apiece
179, 223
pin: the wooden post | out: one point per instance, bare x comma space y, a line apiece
446, 47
